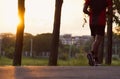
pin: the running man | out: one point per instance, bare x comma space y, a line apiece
96, 9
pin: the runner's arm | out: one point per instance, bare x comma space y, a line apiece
85, 9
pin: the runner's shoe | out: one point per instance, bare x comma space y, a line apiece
90, 59
96, 62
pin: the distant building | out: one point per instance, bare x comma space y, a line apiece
67, 39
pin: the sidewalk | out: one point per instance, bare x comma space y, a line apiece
59, 72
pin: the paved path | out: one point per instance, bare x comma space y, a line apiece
59, 72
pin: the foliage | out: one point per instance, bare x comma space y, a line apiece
116, 30
64, 56
8, 44
27, 41
9, 52
116, 9
68, 51
42, 43
116, 44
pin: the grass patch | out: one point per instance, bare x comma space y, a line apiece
81, 61
29, 61
5, 61
116, 62
72, 62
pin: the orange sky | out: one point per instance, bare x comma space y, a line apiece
39, 17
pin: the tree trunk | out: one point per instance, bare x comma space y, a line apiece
56, 30
108, 58
19, 34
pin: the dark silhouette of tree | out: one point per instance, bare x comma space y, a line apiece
55, 38
109, 36
19, 34
115, 18
109, 41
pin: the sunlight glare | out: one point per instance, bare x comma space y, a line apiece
39, 16
9, 14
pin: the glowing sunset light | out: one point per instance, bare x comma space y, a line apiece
39, 16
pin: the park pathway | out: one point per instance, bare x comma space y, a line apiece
59, 72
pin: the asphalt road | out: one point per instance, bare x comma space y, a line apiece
59, 72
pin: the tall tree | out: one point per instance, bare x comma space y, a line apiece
109, 42
19, 34
55, 39
112, 18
